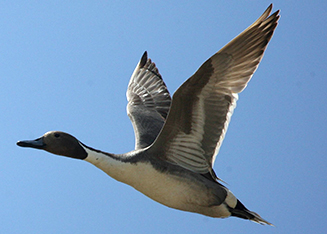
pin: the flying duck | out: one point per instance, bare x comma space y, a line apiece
177, 139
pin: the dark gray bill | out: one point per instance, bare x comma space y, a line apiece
37, 143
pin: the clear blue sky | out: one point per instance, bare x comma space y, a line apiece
65, 65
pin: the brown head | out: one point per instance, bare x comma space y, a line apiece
57, 142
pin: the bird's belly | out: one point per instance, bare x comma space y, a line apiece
171, 190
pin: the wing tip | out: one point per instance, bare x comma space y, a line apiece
274, 15
144, 59
265, 15
269, 8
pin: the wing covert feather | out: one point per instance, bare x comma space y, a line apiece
148, 102
202, 107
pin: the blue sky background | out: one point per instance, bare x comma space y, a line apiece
65, 65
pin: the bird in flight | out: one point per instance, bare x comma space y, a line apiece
177, 139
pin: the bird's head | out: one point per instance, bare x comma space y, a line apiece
59, 143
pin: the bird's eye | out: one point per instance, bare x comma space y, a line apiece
57, 135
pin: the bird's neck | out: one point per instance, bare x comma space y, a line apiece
116, 166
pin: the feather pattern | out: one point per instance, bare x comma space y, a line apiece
202, 107
148, 102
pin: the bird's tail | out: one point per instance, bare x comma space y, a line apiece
242, 212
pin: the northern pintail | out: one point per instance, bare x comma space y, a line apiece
177, 139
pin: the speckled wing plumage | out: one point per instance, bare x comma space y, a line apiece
148, 102
202, 107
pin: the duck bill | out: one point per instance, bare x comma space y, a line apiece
37, 143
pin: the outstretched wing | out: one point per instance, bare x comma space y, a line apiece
148, 102
202, 107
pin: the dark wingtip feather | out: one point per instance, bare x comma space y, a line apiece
144, 59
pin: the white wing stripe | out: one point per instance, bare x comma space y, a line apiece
228, 118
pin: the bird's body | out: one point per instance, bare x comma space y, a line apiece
177, 139
166, 184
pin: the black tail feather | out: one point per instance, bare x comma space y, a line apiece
241, 211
